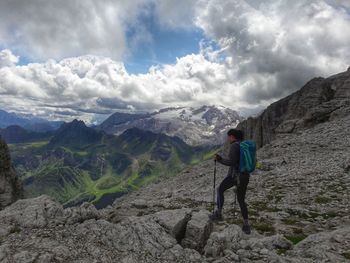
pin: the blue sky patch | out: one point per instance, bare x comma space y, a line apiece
166, 44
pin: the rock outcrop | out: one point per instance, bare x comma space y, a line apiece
10, 186
318, 101
197, 231
41, 230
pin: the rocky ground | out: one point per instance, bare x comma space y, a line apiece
298, 202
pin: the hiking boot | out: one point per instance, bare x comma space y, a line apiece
216, 216
246, 229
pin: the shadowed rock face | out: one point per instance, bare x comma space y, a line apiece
10, 186
318, 101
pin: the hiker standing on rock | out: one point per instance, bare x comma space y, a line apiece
234, 177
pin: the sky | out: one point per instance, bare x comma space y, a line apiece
86, 59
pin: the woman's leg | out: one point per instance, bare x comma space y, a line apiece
227, 183
241, 192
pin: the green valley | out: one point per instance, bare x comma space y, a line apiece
79, 163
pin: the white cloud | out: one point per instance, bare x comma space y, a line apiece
55, 29
276, 46
88, 85
7, 59
176, 14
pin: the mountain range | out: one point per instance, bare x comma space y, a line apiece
18, 134
77, 163
28, 122
205, 125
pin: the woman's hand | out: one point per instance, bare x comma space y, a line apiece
217, 157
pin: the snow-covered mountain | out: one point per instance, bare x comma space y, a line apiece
196, 126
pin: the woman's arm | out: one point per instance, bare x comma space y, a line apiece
233, 156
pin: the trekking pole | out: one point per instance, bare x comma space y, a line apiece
214, 186
235, 188
235, 202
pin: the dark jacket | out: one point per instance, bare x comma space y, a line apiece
233, 159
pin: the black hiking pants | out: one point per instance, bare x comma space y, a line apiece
227, 183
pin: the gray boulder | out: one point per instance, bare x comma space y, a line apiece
174, 221
227, 239
198, 230
42, 211
324, 247
270, 243
29, 213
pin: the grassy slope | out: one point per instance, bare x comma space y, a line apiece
67, 183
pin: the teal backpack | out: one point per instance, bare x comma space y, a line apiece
247, 156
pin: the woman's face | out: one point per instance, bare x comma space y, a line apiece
231, 138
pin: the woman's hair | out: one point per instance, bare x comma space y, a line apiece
238, 134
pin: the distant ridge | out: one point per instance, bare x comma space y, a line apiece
205, 125
17, 134
28, 122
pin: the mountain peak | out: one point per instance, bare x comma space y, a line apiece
77, 123
75, 133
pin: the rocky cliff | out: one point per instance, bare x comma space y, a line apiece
318, 101
10, 186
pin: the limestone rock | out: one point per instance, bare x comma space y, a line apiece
324, 247
198, 230
46, 231
10, 185
220, 241
175, 221
31, 213
270, 243
318, 101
